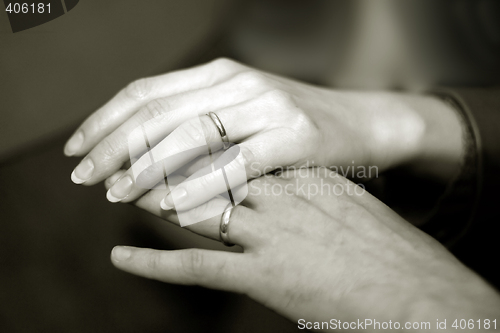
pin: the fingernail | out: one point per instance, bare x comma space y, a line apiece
121, 253
83, 171
120, 189
74, 144
179, 195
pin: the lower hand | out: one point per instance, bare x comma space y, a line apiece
318, 256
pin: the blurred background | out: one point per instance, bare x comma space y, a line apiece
55, 237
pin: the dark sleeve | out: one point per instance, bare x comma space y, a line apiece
480, 247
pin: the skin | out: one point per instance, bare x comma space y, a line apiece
277, 122
318, 256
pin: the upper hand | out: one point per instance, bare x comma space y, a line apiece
276, 121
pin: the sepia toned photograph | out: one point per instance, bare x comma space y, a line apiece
235, 166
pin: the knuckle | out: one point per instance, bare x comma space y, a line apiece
139, 89
304, 122
191, 132
95, 124
153, 262
241, 214
224, 63
251, 78
284, 103
247, 156
109, 148
192, 263
280, 98
304, 126
154, 109
222, 68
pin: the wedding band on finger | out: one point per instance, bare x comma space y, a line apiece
224, 225
220, 127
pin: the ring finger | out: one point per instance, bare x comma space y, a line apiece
243, 226
190, 140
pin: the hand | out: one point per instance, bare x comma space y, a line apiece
320, 256
276, 121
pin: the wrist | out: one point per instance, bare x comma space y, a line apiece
397, 129
440, 148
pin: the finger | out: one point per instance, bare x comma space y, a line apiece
105, 120
255, 158
243, 230
152, 123
263, 193
188, 141
212, 269
200, 163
